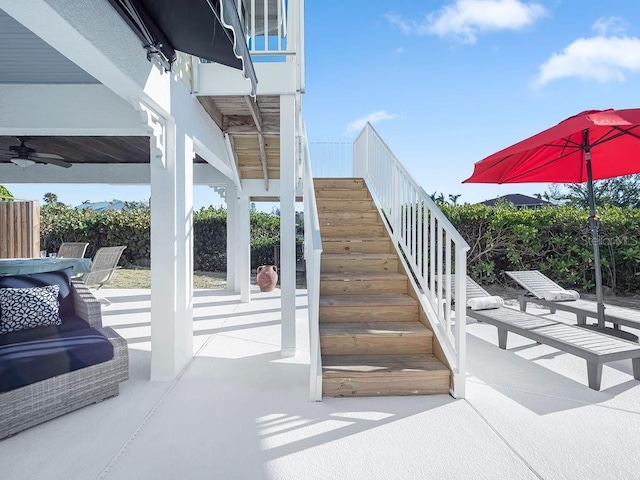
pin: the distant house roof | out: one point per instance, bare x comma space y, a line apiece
101, 206
518, 200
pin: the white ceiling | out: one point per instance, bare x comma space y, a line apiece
27, 59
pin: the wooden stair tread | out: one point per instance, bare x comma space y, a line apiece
381, 365
375, 230
338, 201
375, 328
344, 223
368, 218
356, 239
348, 215
366, 300
363, 276
366, 256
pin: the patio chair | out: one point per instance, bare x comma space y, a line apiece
595, 347
72, 249
541, 290
475, 295
103, 266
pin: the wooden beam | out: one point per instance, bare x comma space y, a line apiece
236, 170
251, 130
255, 113
213, 111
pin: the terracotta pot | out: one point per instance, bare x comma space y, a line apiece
267, 277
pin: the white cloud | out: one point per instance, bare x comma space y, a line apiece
405, 26
602, 59
463, 20
357, 125
609, 25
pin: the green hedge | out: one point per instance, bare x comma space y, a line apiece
59, 223
554, 240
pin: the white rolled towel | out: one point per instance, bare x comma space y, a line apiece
485, 303
561, 296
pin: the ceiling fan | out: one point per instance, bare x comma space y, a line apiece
25, 156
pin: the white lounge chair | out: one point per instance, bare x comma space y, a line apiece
538, 285
72, 249
103, 266
595, 347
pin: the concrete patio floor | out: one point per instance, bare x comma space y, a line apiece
240, 411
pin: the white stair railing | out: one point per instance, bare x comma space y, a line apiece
433, 249
312, 253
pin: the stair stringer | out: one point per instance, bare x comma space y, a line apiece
426, 311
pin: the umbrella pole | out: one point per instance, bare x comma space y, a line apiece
593, 227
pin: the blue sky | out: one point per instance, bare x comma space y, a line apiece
448, 83
451, 82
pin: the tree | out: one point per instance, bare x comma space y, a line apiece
441, 199
136, 205
51, 199
5, 194
438, 197
622, 192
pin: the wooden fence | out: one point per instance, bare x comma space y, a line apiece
19, 229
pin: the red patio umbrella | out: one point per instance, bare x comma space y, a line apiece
563, 154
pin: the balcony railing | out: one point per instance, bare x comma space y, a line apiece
331, 159
265, 25
274, 33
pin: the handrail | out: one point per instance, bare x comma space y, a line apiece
441, 216
432, 248
312, 253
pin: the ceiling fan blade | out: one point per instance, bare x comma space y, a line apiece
52, 161
47, 155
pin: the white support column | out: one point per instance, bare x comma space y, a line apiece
288, 223
171, 249
233, 279
184, 252
237, 249
244, 249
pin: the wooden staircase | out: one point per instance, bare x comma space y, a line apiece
372, 339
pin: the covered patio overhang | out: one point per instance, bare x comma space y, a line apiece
118, 119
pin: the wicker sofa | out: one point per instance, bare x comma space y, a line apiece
48, 398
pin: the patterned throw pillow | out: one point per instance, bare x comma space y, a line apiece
22, 308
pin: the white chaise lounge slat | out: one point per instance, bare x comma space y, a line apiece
473, 289
537, 284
